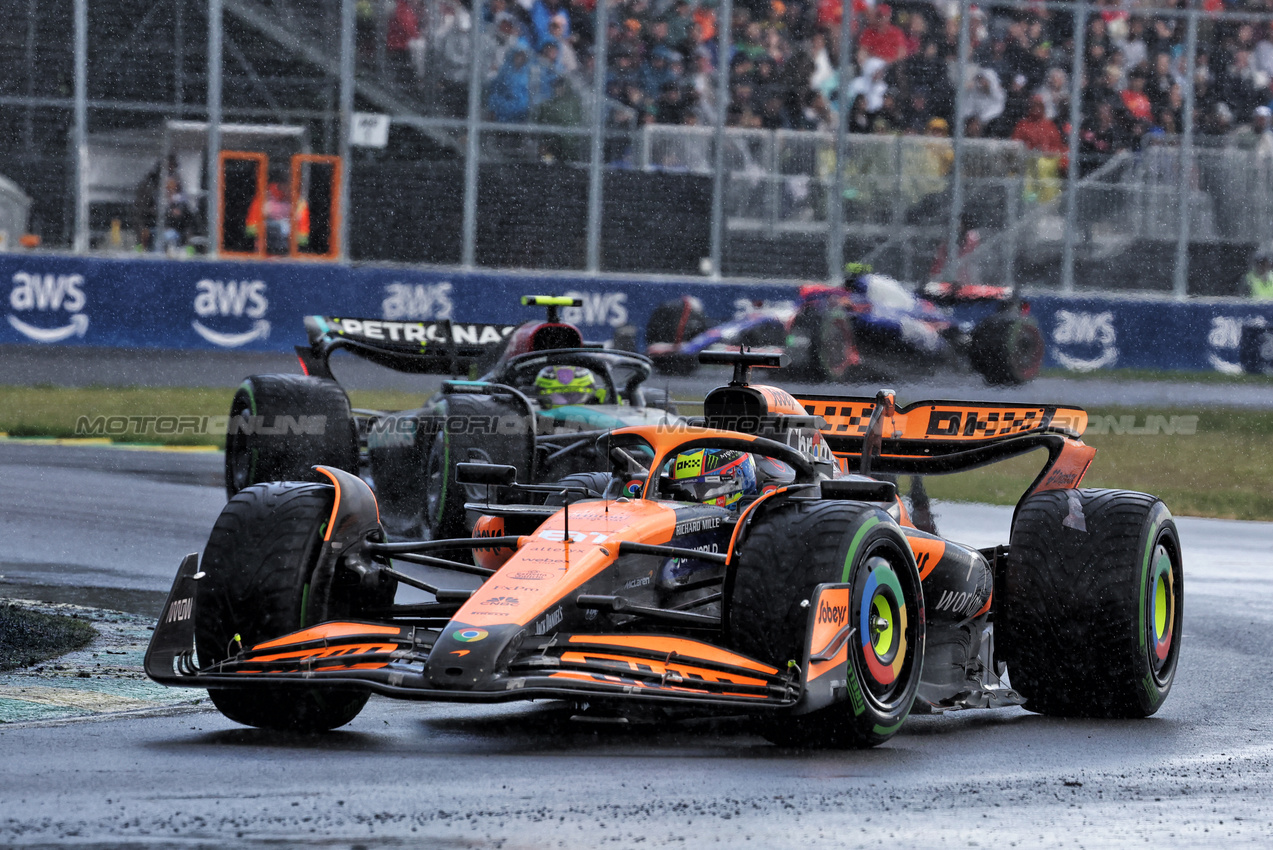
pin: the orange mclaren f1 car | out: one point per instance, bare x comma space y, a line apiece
754, 562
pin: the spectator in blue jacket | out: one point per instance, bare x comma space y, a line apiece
508, 96
541, 15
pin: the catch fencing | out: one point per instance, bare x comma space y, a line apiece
106, 127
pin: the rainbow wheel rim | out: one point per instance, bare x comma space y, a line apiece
1161, 621
882, 623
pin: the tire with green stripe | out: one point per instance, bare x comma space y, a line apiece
1089, 607
473, 428
258, 584
791, 549
282, 426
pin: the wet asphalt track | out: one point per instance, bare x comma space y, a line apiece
1200, 773
77, 366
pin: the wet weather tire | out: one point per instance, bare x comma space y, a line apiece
258, 566
831, 352
659, 398
791, 549
315, 425
675, 323
1007, 350
473, 428
1090, 603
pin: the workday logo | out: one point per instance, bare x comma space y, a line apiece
1224, 340
48, 296
231, 299
1085, 341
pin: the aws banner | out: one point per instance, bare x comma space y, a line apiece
164, 304
145, 303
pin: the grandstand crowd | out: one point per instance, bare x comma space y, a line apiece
537, 60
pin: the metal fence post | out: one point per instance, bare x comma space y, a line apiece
80, 140
726, 24
469, 238
898, 215
1072, 174
835, 210
214, 125
961, 116
179, 58
600, 61
346, 118
1180, 280
1015, 187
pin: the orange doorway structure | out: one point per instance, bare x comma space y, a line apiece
314, 206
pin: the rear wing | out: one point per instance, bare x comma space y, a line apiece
939, 437
432, 347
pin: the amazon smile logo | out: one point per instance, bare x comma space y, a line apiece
231, 299
43, 294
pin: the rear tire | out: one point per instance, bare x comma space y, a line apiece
258, 566
326, 435
1007, 350
1090, 606
676, 322
660, 399
832, 352
793, 548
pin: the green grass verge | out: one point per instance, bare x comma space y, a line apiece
45, 411
1224, 469
29, 637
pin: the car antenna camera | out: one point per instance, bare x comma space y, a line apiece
742, 369
553, 304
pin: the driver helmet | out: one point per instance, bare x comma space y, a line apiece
559, 385
718, 477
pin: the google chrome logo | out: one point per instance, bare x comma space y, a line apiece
470, 635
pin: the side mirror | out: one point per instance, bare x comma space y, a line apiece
495, 474
858, 491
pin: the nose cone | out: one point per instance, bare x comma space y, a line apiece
466, 657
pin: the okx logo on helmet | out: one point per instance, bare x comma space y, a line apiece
715, 476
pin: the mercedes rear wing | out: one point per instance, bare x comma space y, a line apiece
874, 436
431, 347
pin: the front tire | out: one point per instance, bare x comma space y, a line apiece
1090, 608
258, 567
473, 428
312, 425
793, 548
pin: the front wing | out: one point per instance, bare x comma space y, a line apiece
391, 659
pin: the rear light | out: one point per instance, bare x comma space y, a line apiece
1025, 308
304, 370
